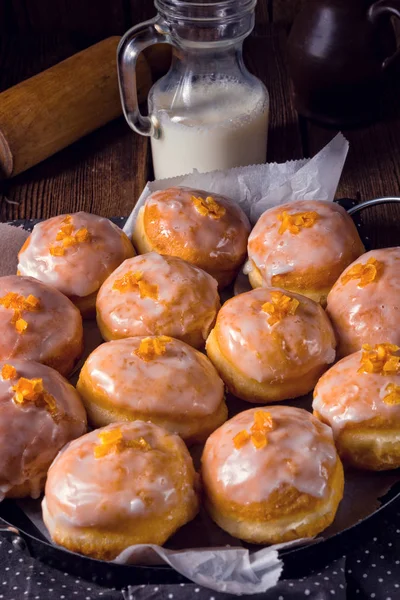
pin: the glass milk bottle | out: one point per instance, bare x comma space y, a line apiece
208, 112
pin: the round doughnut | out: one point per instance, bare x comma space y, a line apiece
37, 322
40, 412
303, 247
209, 231
158, 295
359, 398
272, 475
364, 304
270, 345
75, 254
157, 379
125, 484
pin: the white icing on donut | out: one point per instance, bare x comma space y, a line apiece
343, 396
85, 491
44, 337
186, 299
180, 382
288, 349
299, 453
370, 314
274, 253
173, 214
84, 266
29, 436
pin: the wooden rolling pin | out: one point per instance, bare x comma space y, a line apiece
42, 115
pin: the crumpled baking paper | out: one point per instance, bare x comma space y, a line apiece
257, 188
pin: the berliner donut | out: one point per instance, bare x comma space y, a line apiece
270, 345
364, 304
125, 484
75, 254
40, 412
37, 322
157, 379
209, 231
272, 475
158, 295
359, 398
303, 247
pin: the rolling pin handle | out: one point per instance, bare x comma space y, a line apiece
131, 45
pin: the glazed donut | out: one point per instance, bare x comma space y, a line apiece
75, 254
359, 398
37, 322
158, 295
270, 345
125, 484
303, 247
39, 413
364, 304
157, 379
272, 475
209, 231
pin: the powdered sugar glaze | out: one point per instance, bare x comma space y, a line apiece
179, 382
344, 397
29, 436
43, 336
267, 352
83, 267
299, 453
277, 253
370, 314
85, 491
186, 299
175, 217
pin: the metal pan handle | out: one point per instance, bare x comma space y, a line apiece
374, 202
14, 536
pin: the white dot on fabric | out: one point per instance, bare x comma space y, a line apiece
374, 539
291, 584
77, 581
326, 578
20, 560
396, 585
382, 556
349, 571
212, 598
389, 572
197, 590
280, 598
373, 595
156, 589
390, 544
182, 584
334, 572
307, 592
62, 597
397, 562
341, 586
15, 587
10, 552
373, 565
365, 576
388, 598
358, 560
7, 568
170, 595
333, 592
316, 583
38, 582
380, 580
50, 589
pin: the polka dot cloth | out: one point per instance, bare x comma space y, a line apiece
372, 572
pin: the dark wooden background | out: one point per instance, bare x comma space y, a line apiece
105, 172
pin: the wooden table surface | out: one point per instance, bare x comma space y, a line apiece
105, 172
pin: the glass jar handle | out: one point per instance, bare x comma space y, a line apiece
131, 45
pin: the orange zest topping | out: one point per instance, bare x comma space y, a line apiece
241, 439
258, 432
380, 359
113, 441
150, 348
32, 391
393, 394
8, 372
133, 281
68, 238
18, 304
208, 207
296, 221
366, 273
280, 307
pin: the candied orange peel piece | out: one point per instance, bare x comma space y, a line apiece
8, 372
380, 359
150, 348
133, 281
19, 303
258, 432
296, 221
68, 238
280, 307
366, 273
393, 394
113, 441
208, 207
32, 391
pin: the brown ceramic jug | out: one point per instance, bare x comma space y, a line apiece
339, 52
